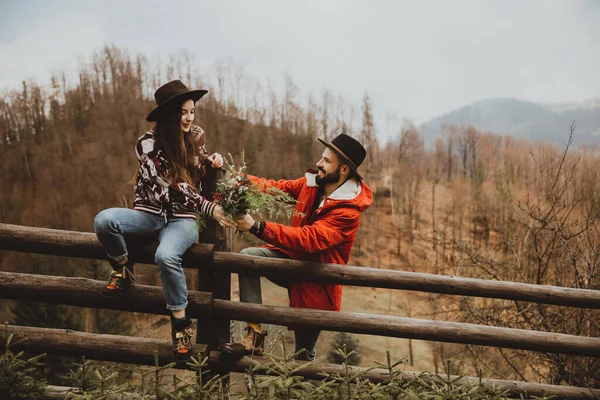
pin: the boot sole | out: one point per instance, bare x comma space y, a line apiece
181, 360
237, 350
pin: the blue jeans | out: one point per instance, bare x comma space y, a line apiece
113, 225
251, 292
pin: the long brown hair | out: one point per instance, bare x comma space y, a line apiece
178, 148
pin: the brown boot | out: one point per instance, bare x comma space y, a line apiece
120, 280
252, 344
181, 333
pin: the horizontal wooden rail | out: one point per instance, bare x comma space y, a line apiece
284, 269
84, 292
412, 328
139, 351
85, 245
79, 244
74, 291
66, 342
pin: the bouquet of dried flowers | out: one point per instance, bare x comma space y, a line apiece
238, 195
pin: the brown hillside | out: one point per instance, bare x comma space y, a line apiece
476, 204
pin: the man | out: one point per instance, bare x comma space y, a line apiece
324, 226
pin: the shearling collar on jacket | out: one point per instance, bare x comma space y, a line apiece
347, 191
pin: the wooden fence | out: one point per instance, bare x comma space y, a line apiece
212, 307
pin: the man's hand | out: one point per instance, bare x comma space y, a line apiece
245, 223
219, 215
216, 160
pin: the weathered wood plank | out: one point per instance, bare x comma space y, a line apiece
210, 279
86, 293
66, 342
394, 279
85, 245
381, 325
139, 351
83, 292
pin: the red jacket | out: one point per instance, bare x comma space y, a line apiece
326, 236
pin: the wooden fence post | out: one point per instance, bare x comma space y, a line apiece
216, 330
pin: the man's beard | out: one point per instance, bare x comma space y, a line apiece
331, 177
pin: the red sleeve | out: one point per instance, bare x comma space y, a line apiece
324, 234
290, 187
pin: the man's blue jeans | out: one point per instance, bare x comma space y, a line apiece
251, 292
113, 225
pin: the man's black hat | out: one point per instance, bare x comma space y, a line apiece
349, 150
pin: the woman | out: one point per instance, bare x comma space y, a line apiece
172, 157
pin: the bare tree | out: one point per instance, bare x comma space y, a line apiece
554, 240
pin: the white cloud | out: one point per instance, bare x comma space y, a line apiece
417, 59
54, 45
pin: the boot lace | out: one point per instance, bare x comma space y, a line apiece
184, 340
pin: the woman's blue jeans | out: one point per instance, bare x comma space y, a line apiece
113, 225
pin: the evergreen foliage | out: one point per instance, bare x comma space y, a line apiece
93, 381
238, 195
19, 377
343, 340
278, 379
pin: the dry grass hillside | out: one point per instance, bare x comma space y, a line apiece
476, 204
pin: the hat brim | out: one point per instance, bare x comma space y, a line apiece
192, 94
342, 156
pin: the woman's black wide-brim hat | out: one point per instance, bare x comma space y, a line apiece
171, 93
349, 150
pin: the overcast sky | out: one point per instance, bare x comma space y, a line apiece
416, 59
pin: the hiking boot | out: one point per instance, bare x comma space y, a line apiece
120, 280
252, 344
181, 333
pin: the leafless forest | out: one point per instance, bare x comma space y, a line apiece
473, 203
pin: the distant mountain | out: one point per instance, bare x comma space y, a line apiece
525, 119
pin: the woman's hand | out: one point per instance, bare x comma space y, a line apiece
219, 215
216, 160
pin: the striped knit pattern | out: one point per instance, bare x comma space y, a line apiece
155, 195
